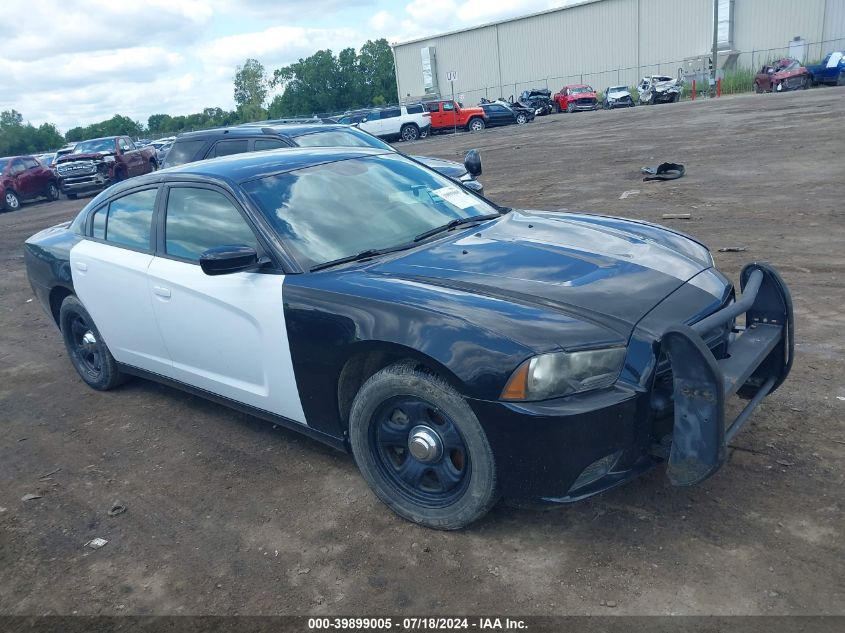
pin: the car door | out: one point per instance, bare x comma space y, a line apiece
226, 334
109, 271
372, 123
24, 178
450, 115
36, 177
391, 121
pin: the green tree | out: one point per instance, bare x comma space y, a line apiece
19, 138
250, 84
158, 122
378, 70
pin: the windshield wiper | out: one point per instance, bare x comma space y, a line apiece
454, 224
367, 254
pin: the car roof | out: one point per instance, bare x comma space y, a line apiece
239, 168
291, 130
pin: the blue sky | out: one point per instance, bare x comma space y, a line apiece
76, 63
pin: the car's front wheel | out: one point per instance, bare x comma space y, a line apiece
85, 347
421, 448
476, 125
52, 191
521, 119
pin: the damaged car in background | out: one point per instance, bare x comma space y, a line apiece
576, 97
617, 97
537, 99
95, 164
782, 75
659, 89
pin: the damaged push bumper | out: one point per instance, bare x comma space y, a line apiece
757, 362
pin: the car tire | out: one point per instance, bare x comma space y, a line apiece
476, 125
521, 119
557, 108
450, 487
424, 133
119, 175
840, 80
570, 108
757, 88
85, 347
52, 192
409, 132
11, 200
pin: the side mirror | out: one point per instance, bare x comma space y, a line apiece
472, 161
232, 258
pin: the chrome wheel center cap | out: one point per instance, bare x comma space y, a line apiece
88, 338
424, 443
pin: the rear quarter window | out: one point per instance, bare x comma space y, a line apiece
415, 109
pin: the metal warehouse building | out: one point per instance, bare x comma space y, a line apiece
609, 42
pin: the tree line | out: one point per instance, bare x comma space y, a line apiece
318, 84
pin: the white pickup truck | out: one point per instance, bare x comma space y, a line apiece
406, 122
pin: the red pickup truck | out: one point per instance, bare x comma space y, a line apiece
94, 165
446, 115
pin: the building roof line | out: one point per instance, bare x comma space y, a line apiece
496, 23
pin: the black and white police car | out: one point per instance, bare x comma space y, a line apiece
461, 351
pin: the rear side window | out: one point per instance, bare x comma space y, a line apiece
433, 107
391, 114
29, 163
199, 219
415, 109
183, 152
127, 220
227, 148
263, 144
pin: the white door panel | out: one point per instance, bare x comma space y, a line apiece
111, 282
226, 334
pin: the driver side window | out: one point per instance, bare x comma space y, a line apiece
199, 219
448, 106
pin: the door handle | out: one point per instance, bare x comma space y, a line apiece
81, 266
161, 291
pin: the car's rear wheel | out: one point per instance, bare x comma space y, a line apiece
421, 448
52, 191
85, 347
476, 125
521, 119
806, 84
410, 132
13, 202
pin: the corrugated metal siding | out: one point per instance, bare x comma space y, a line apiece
771, 24
834, 20
610, 42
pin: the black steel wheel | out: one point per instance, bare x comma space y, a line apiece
85, 347
421, 449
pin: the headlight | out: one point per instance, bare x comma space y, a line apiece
563, 373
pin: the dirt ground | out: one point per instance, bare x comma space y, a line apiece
229, 515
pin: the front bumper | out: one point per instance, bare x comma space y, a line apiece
84, 184
564, 450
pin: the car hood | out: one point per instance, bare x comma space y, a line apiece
785, 74
607, 271
618, 94
86, 156
446, 167
584, 95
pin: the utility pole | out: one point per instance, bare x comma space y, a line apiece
715, 52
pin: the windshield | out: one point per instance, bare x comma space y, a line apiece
787, 64
579, 89
3, 163
341, 137
335, 210
98, 145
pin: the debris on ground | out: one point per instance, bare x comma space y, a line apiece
117, 508
733, 249
30, 497
664, 171
50, 474
96, 543
630, 192
303, 570
677, 216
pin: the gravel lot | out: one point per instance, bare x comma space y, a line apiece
227, 514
